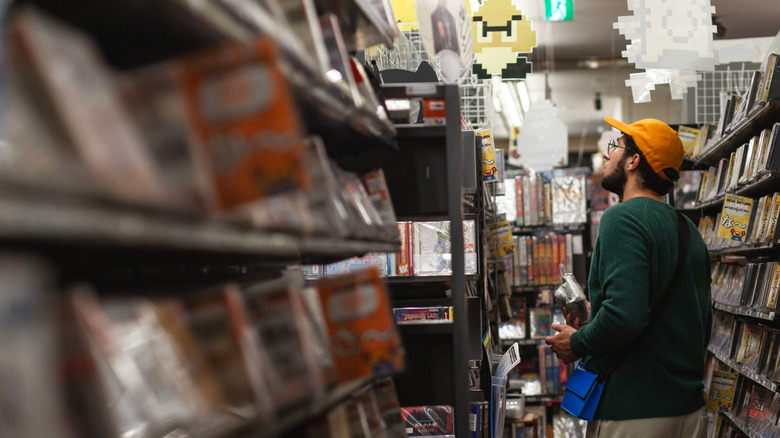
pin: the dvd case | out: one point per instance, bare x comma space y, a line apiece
539, 319
39, 362
63, 81
432, 251
423, 315
242, 113
277, 318
428, 420
569, 199
364, 337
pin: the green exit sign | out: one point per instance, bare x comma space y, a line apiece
558, 10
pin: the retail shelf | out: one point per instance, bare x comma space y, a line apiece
136, 33
53, 219
740, 425
428, 90
763, 185
420, 130
761, 380
426, 329
287, 421
711, 205
326, 111
544, 398
427, 279
510, 342
425, 217
362, 28
762, 116
757, 187
325, 247
547, 227
750, 249
738, 310
534, 288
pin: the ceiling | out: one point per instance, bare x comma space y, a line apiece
590, 34
583, 56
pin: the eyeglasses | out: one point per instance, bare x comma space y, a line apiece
612, 145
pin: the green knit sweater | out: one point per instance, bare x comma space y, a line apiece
633, 259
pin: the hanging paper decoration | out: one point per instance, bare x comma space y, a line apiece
501, 33
543, 142
671, 40
445, 32
405, 14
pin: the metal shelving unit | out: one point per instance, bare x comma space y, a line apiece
762, 116
97, 237
136, 33
425, 181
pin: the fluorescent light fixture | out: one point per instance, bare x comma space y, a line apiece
516, 101
522, 93
508, 105
495, 86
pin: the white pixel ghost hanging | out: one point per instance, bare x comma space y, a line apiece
543, 141
671, 40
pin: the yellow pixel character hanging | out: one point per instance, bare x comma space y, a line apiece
501, 33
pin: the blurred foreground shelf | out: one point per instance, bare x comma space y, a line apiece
289, 420
51, 220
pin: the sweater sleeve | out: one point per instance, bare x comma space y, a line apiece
623, 269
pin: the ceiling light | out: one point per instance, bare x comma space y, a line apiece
522, 93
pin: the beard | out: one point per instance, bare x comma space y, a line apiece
615, 182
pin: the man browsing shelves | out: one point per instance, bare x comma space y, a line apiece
656, 391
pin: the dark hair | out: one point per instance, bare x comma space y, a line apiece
649, 179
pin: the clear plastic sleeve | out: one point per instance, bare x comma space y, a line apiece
570, 295
497, 405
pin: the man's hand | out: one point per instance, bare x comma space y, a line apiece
560, 343
576, 323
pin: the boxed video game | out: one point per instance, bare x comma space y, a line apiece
428, 420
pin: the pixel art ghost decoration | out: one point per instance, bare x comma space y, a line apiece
544, 141
671, 40
501, 33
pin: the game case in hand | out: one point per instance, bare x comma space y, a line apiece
570, 295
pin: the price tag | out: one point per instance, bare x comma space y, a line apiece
421, 89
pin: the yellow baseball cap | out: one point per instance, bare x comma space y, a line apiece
659, 143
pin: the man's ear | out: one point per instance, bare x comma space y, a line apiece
633, 162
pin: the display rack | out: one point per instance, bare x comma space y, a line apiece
763, 116
424, 179
48, 219
90, 237
135, 34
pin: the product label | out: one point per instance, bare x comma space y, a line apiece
735, 217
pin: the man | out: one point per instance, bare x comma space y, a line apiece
658, 390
